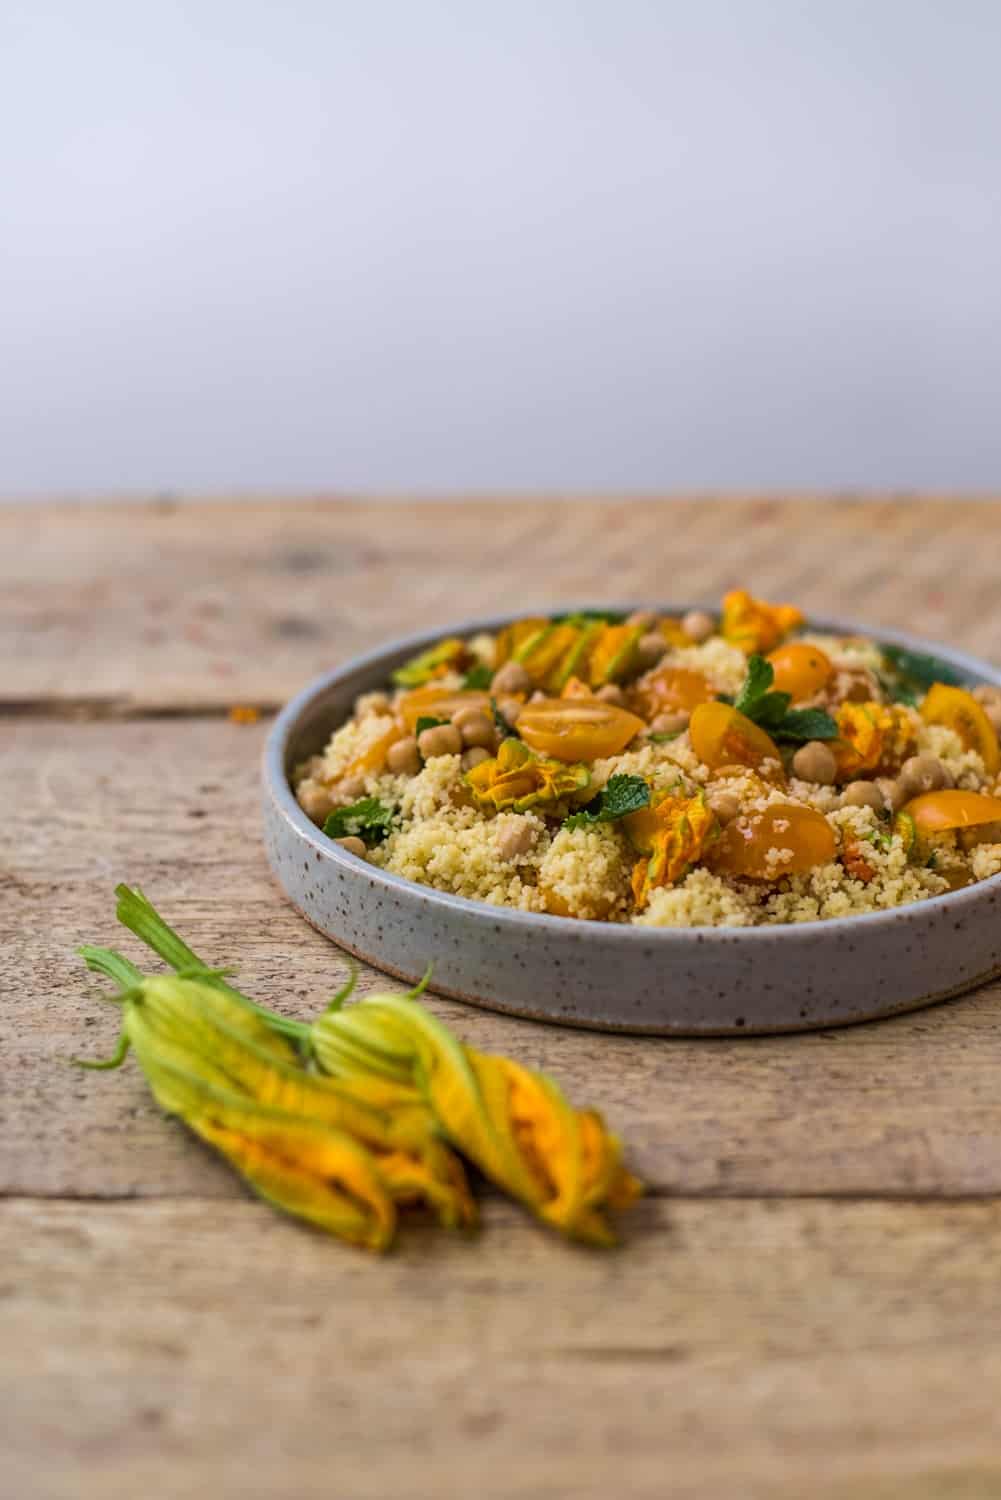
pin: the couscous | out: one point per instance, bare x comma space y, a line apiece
729, 770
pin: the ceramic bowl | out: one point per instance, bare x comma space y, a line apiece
708, 981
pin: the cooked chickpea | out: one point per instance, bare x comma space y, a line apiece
893, 793
669, 723
509, 709
403, 758
862, 794
698, 625
725, 805
641, 619
476, 729
923, 773
443, 739
315, 800
353, 846
815, 761
650, 648
611, 693
350, 789
511, 678
474, 757
515, 837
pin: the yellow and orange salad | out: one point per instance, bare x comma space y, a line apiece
730, 770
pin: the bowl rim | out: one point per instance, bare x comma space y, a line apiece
277, 785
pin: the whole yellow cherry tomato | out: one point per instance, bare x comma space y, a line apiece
959, 710
802, 838
723, 736
800, 670
936, 812
577, 729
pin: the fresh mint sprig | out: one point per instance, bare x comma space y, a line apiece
621, 796
758, 702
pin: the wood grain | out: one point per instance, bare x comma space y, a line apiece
730, 1349
173, 606
908, 1107
807, 1303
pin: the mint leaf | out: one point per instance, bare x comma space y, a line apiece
427, 721
585, 616
771, 710
477, 679
802, 724
760, 676
368, 819
915, 671
622, 795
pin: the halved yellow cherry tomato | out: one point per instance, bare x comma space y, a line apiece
936, 812
577, 729
800, 670
669, 689
959, 710
802, 838
436, 703
722, 735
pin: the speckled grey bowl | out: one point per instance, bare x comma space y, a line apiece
687, 982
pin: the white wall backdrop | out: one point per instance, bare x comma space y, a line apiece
499, 243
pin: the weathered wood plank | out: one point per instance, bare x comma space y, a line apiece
195, 605
732, 1348
907, 1107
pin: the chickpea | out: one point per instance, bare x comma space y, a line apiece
698, 625
923, 773
511, 678
725, 805
509, 709
815, 761
443, 739
403, 758
515, 837
894, 795
862, 794
315, 800
611, 693
477, 729
353, 846
650, 648
641, 619
669, 723
474, 757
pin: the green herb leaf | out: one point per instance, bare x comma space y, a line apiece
477, 679
802, 724
585, 616
760, 676
917, 671
771, 710
621, 796
368, 819
427, 721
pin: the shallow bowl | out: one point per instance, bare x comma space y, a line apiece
687, 982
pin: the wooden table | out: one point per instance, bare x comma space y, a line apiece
807, 1305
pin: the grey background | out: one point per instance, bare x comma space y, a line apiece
534, 244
